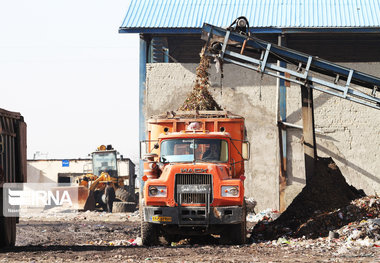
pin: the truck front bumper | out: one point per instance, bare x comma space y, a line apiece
189, 215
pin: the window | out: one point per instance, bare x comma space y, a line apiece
104, 162
189, 150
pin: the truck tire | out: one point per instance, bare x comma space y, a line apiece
149, 234
122, 207
122, 195
233, 234
236, 234
7, 231
149, 231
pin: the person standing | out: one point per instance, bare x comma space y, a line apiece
110, 196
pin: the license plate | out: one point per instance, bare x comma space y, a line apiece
161, 218
193, 189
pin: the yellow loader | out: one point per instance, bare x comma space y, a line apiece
91, 186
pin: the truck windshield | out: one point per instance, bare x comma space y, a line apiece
189, 150
104, 162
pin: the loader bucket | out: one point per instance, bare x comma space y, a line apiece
86, 200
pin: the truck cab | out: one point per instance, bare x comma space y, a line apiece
194, 178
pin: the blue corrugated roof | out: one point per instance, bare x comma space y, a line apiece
189, 15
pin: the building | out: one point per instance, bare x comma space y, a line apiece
346, 32
65, 170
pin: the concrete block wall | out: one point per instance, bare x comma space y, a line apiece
350, 133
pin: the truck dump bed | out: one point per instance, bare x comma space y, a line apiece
209, 121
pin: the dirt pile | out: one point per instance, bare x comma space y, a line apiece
322, 206
200, 98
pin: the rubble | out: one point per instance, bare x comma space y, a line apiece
131, 242
327, 204
200, 98
360, 230
267, 215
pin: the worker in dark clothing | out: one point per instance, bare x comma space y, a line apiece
110, 196
212, 153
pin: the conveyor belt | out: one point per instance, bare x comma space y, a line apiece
342, 79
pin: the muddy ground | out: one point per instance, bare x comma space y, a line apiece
101, 237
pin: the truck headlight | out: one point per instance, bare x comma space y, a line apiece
230, 191
157, 191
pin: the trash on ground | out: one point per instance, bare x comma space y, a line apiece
327, 204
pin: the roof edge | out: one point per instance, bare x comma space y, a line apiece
160, 30
260, 30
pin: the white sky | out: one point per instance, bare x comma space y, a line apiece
74, 78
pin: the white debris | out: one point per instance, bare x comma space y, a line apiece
250, 204
268, 214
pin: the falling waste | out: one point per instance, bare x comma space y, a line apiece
200, 98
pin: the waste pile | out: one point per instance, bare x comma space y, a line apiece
250, 204
200, 98
327, 204
360, 210
267, 215
365, 228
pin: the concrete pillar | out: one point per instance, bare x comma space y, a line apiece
142, 88
309, 144
281, 117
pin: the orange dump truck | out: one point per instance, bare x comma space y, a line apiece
194, 177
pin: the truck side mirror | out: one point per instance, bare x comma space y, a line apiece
143, 149
245, 150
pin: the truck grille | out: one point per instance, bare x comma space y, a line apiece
192, 179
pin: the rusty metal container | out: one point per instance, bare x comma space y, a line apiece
12, 166
12, 147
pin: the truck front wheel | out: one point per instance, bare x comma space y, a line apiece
149, 231
149, 234
237, 233
234, 234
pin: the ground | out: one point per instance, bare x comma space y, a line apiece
103, 237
